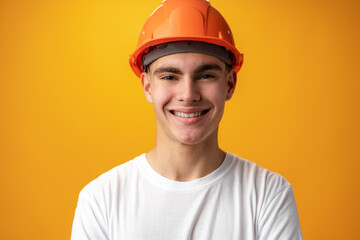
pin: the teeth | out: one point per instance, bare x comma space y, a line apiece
188, 115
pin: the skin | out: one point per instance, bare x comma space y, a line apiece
179, 85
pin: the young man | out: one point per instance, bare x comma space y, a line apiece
187, 187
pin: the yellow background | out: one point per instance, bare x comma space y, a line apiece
71, 109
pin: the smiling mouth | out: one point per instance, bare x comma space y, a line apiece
189, 115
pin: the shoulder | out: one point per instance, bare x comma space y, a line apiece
256, 178
97, 201
111, 180
272, 196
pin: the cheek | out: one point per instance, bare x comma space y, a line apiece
161, 96
216, 94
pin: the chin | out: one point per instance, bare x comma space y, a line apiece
189, 142
192, 138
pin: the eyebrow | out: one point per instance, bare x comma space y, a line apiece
205, 67
167, 69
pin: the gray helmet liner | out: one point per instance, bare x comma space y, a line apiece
165, 49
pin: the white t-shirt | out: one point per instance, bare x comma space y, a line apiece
239, 200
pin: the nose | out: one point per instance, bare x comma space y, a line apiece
188, 91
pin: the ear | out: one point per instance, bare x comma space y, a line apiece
231, 84
146, 86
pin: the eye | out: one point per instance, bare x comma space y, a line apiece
168, 77
206, 76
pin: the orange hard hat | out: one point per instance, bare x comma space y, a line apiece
184, 20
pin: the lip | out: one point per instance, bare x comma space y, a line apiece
198, 114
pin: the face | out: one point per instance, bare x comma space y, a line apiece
188, 91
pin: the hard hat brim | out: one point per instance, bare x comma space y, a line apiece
135, 58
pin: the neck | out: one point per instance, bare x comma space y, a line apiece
181, 162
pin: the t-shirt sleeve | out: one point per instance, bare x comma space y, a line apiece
89, 221
279, 218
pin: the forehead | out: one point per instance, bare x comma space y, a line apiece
187, 61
